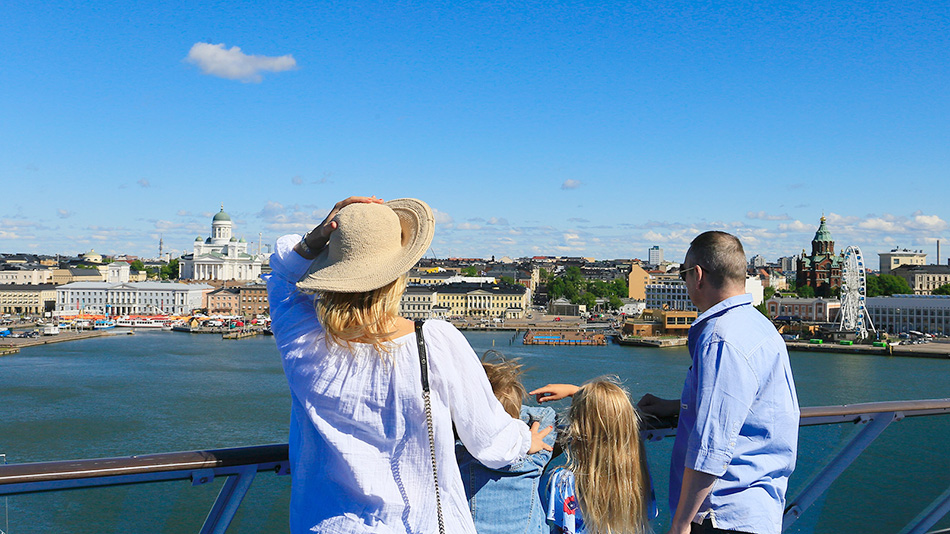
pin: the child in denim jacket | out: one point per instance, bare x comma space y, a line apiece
506, 500
605, 486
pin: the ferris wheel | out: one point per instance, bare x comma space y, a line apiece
854, 314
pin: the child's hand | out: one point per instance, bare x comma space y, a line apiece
537, 438
553, 392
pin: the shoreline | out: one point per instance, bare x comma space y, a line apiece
933, 350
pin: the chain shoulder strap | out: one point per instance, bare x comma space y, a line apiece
424, 365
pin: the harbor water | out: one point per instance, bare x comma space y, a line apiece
167, 391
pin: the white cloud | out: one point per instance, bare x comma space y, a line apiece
233, 64
796, 226
63, 214
442, 217
570, 184
468, 226
931, 223
878, 224
766, 217
498, 221
144, 183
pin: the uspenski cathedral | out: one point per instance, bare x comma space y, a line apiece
822, 269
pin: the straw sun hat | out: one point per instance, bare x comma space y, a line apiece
373, 245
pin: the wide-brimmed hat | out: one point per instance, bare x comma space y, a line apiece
373, 245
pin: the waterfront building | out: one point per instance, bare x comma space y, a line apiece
223, 301
132, 298
23, 276
819, 310
655, 255
668, 294
632, 308
420, 302
822, 269
76, 274
253, 300
29, 299
654, 322
637, 281
897, 257
484, 300
903, 313
923, 279
222, 256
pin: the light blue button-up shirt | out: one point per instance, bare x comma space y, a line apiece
738, 419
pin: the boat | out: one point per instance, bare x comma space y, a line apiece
145, 322
103, 324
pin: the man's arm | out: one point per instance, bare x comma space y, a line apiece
696, 486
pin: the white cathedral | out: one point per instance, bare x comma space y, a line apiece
221, 256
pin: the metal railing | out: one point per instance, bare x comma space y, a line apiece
240, 465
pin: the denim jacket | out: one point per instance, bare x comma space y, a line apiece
506, 500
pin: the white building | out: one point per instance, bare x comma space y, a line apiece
897, 257
221, 256
672, 294
655, 255
26, 276
132, 298
929, 314
806, 309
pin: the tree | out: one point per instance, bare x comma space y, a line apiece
508, 280
764, 309
469, 271
942, 290
614, 302
170, 271
887, 285
806, 292
768, 293
137, 265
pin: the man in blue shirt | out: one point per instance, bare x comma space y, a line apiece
737, 435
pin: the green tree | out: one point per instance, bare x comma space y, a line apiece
942, 290
508, 280
763, 309
137, 265
768, 292
887, 285
170, 271
469, 271
614, 302
806, 292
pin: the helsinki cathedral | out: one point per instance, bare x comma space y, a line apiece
221, 256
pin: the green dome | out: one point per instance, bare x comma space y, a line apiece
221, 216
243, 241
198, 238
233, 240
823, 234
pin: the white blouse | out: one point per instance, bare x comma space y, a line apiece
359, 446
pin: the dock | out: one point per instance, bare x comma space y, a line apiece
240, 334
564, 337
653, 341
939, 350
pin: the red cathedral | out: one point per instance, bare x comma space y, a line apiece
821, 270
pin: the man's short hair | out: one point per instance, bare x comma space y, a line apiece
721, 257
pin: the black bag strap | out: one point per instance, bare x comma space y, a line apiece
424, 365
423, 358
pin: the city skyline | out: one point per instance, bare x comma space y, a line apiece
594, 131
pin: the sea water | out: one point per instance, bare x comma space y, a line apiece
168, 391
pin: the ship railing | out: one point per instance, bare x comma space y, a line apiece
239, 466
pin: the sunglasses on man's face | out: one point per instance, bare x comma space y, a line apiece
684, 271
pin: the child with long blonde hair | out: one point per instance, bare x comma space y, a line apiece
605, 486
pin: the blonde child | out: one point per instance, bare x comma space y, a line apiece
507, 499
605, 486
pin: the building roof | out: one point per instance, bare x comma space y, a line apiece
823, 234
921, 269
221, 216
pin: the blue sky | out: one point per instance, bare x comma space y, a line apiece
581, 129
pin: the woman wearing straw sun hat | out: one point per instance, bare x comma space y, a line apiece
374, 396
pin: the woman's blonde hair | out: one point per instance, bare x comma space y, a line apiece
367, 317
504, 375
607, 458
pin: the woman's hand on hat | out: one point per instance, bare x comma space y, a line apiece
318, 238
537, 438
554, 392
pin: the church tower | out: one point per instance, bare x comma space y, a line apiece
221, 228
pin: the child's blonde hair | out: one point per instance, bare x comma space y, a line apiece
607, 458
367, 317
504, 375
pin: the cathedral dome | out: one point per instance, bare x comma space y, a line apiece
823, 234
221, 216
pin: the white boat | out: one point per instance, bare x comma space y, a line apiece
142, 323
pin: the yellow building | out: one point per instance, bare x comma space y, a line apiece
27, 299
637, 282
483, 300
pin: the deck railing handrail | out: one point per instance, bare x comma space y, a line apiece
241, 464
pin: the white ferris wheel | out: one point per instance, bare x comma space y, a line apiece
854, 314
